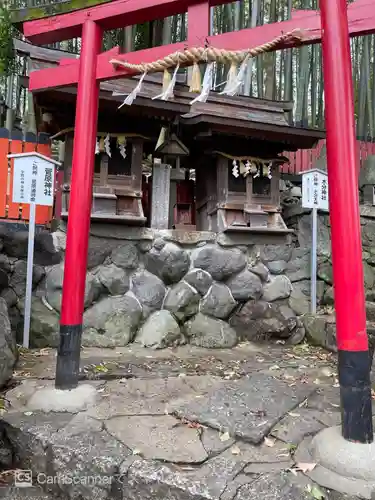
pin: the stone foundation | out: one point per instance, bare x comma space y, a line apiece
165, 288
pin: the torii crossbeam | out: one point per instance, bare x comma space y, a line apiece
354, 373
119, 13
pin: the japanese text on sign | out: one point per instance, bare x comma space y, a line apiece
33, 180
315, 190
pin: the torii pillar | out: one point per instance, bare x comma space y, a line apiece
68, 354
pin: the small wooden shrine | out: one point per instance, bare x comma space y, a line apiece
179, 164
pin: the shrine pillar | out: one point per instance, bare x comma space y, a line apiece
68, 354
161, 181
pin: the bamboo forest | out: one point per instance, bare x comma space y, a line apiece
291, 74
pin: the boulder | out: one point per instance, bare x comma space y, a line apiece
8, 348
211, 333
5, 263
369, 276
18, 278
325, 272
199, 279
126, 256
299, 299
261, 270
260, 319
54, 285
278, 288
270, 253
219, 262
245, 285
4, 279
44, 324
182, 300
169, 262
10, 297
304, 233
298, 268
218, 302
45, 252
321, 330
113, 279
113, 321
159, 331
277, 266
148, 289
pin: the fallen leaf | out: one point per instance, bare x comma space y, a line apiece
294, 414
28, 413
235, 450
274, 367
316, 381
136, 451
269, 442
224, 437
305, 467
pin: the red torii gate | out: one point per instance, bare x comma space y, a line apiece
354, 368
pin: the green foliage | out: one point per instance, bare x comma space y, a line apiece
7, 56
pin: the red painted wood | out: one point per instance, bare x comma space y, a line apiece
4, 150
14, 208
116, 14
82, 179
199, 23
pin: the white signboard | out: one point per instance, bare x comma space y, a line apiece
33, 184
33, 179
315, 189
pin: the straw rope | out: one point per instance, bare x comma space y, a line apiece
209, 54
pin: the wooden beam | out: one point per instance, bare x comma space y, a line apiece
111, 15
361, 21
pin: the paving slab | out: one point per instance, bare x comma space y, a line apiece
131, 436
159, 438
247, 408
296, 425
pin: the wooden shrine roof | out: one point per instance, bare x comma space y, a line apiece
243, 116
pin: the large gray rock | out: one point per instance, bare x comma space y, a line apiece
199, 279
219, 262
45, 252
126, 256
270, 253
148, 289
4, 279
5, 264
261, 270
211, 333
325, 272
10, 297
245, 285
159, 331
260, 319
299, 299
278, 288
277, 266
54, 285
298, 268
113, 279
218, 302
8, 349
304, 235
18, 278
113, 321
169, 262
182, 300
44, 324
321, 330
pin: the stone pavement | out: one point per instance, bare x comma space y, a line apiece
176, 424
